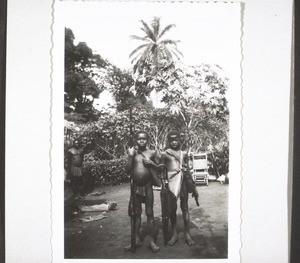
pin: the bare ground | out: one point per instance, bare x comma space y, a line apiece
106, 238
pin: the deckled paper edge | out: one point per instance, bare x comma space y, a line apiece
242, 9
241, 129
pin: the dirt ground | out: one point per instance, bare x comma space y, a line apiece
106, 238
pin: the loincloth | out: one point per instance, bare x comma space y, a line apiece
140, 195
175, 182
141, 192
76, 171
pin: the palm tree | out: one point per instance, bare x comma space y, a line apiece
155, 50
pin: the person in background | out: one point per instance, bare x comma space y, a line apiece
75, 157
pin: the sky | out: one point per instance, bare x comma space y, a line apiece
208, 32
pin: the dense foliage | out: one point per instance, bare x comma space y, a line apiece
81, 85
193, 100
106, 172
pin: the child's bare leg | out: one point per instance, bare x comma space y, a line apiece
186, 217
173, 219
150, 223
138, 242
150, 217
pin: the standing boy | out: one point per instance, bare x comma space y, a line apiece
140, 164
180, 184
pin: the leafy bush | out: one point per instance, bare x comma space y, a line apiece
219, 159
106, 172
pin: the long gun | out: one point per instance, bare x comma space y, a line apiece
165, 202
197, 200
191, 184
188, 172
132, 193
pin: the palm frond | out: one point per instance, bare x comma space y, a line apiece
135, 67
176, 55
173, 49
148, 31
138, 49
147, 52
165, 30
134, 37
178, 51
136, 58
141, 57
169, 42
156, 25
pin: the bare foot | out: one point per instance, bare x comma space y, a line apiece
153, 247
189, 240
138, 243
173, 240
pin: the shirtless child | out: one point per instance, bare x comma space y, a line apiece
75, 156
176, 163
139, 163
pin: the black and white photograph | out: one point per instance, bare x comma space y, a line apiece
151, 102
148, 130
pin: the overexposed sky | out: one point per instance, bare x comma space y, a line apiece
209, 32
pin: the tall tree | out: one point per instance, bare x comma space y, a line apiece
121, 84
156, 53
81, 86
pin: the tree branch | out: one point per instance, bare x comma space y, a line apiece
105, 150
